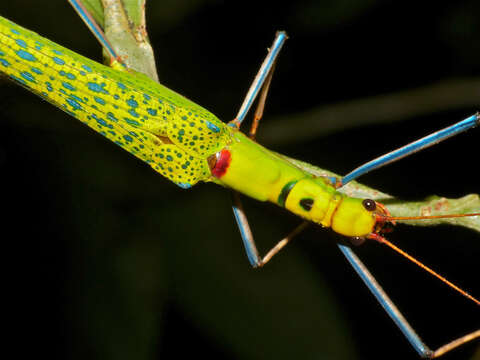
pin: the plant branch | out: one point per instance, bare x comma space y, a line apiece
432, 205
124, 23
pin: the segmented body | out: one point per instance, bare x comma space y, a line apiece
176, 137
166, 130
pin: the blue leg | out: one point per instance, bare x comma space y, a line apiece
423, 350
94, 28
245, 231
259, 80
260, 83
411, 148
247, 237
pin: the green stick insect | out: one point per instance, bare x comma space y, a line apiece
187, 144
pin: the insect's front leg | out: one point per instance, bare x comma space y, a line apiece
391, 309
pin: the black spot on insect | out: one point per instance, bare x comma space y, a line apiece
306, 204
369, 204
357, 240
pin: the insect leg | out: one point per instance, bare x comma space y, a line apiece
247, 237
411, 148
261, 104
260, 78
94, 28
237, 207
422, 349
261, 82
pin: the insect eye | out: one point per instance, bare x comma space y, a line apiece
357, 240
306, 204
368, 204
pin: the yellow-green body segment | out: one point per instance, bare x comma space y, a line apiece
176, 137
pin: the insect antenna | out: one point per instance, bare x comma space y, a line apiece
382, 240
393, 218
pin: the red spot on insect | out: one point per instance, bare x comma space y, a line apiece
220, 166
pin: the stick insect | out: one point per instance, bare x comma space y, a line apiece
187, 144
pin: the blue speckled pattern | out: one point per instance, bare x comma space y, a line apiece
166, 130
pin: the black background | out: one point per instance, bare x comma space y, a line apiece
105, 259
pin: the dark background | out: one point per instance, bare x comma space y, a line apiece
104, 259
